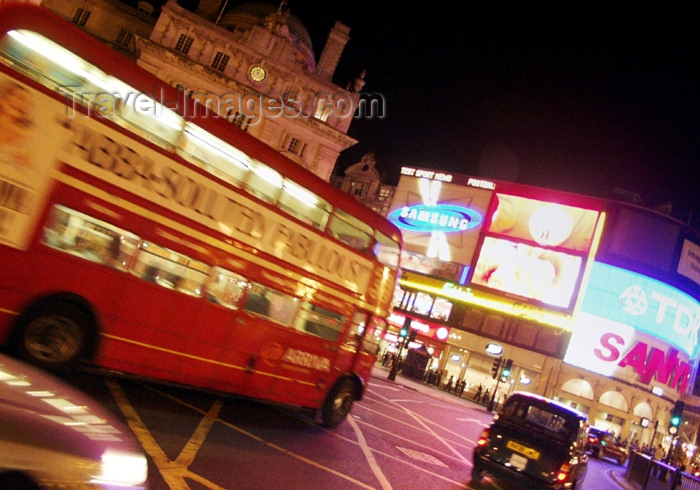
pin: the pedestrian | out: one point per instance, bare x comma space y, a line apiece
477, 395
635, 445
485, 397
659, 454
448, 385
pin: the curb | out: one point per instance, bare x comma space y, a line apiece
381, 374
620, 480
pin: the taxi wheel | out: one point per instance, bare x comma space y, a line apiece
477, 475
338, 403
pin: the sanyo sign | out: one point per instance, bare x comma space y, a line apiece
646, 304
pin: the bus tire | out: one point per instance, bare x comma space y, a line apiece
53, 336
338, 403
17, 481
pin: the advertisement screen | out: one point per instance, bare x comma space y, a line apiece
617, 350
649, 305
531, 272
635, 328
440, 216
548, 224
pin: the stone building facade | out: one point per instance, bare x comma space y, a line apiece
363, 180
252, 64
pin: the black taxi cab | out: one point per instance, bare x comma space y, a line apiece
534, 442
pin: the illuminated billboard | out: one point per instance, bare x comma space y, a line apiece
440, 216
537, 248
534, 273
634, 327
546, 223
617, 350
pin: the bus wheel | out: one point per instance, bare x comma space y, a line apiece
52, 336
17, 481
338, 403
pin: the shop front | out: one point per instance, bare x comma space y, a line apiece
473, 359
429, 340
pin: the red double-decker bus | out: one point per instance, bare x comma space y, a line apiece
143, 234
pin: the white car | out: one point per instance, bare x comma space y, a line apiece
54, 436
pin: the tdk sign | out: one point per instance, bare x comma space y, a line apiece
644, 303
445, 218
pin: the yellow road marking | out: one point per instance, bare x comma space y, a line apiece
271, 444
173, 472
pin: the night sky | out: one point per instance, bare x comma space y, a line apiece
579, 96
583, 97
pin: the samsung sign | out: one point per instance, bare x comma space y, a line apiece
646, 304
445, 218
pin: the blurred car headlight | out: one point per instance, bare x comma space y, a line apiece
122, 469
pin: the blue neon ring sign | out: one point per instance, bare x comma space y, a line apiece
446, 218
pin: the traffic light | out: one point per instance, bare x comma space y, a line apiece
676, 416
496, 366
412, 335
403, 333
506, 368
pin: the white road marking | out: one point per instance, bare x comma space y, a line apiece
446, 443
367, 451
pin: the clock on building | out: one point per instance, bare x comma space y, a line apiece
257, 73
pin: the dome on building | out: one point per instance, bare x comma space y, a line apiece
275, 17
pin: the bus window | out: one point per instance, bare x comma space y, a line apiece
275, 305
214, 155
357, 328
89, 238
263, 182
387, 250
257, 301
24, 52
319, 321
60, 70
372, 339
304, 205
350, 230
225, 288
170, 269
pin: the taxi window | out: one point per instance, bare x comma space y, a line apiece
540, 418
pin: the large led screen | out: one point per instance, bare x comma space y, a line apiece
534, 273
635, 328
440, 216
649, 305
546, 223
618, 350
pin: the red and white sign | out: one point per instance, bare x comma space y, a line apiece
427, 329
617, 350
